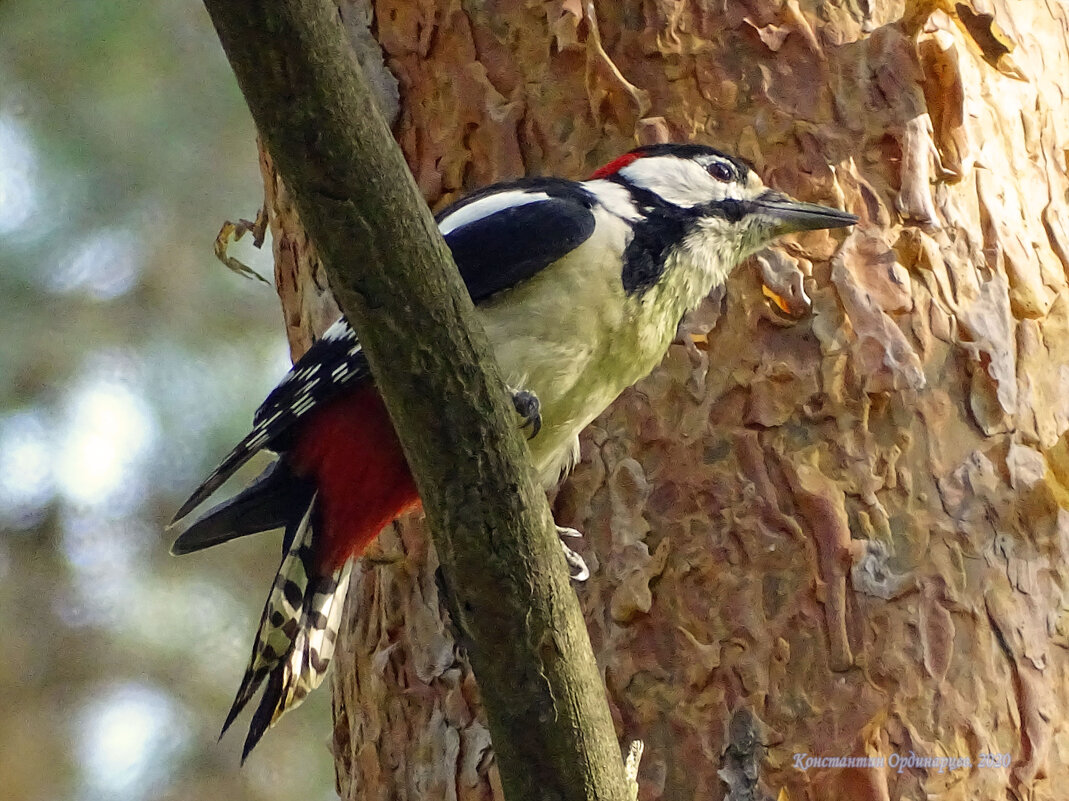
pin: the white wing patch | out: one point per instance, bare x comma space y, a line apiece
487, 206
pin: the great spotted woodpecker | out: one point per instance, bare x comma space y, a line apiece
580, 286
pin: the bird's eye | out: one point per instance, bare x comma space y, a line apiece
721, 171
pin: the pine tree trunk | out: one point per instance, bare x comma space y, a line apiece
831, 530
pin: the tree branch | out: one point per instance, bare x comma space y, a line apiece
392, 274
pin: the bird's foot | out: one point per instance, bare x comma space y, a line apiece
576, 565
528, 407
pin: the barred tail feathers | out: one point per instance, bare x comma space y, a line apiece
297, 635
340, 482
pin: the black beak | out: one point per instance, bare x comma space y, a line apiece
787, 215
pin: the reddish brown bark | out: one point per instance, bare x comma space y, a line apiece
836, 532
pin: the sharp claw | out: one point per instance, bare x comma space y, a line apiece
576, 564
527, 406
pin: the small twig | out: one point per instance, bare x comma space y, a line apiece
235, 231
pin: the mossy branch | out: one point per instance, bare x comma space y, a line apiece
393, 275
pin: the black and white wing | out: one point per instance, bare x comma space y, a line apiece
499, 237
333, 363
508, 233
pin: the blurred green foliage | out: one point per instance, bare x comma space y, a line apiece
130, 360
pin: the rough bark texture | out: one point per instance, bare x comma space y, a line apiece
839, 531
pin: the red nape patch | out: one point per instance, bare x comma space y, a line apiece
360, 470
614, 166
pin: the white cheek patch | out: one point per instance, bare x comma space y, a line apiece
487, 206
681, 182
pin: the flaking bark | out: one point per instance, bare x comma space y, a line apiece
393, 275
850, 521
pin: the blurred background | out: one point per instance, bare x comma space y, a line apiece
130, 361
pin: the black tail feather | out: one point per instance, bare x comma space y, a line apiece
273, 500
253, 442
249, 685
266, 712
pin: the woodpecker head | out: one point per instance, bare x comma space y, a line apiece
722, 205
